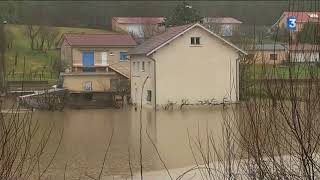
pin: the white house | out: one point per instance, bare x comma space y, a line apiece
186, 62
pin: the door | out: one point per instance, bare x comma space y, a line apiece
104, 58
88, 59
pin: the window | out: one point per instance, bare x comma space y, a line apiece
123, 56
104, 58
134, 67
142, 65
273, 56
138, 66
87, 86
195, 40
149, 95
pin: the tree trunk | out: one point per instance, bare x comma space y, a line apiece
42, 44
32, 43
2, 59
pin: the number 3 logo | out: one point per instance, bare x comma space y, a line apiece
291, 22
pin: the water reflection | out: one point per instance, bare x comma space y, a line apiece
87, 132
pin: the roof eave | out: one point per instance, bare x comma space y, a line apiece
102, 45
192, 26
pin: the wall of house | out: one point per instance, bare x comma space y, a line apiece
193, 72
263, 57
75, 83
139, 76
66, 53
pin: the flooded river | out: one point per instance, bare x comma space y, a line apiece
86, 134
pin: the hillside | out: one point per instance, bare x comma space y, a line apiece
38, 64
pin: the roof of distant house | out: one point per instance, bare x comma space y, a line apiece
158, 41
139, 20
266, 47
221, 20
303, 17
305, 47
82, 39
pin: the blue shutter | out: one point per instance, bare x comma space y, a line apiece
88, 59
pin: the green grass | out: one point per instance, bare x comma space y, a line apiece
297, 71
37, 64
253, 76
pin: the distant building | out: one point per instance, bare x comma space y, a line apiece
304, 53
224, 26
185, 63
267, 53
301, 19
93, 60
138, 26
283, 53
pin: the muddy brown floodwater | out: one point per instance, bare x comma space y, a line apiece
86, 134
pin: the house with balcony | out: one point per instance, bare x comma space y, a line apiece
94, 61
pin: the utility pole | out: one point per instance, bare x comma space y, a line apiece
2, 58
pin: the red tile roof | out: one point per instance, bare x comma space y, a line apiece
303, 17
170, 34
77, 39
221, 20
139, 20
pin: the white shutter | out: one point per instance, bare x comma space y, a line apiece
104, 58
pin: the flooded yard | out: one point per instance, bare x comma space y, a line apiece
86, 134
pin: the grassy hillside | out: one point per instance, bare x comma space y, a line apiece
37, 64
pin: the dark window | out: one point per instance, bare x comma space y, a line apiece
149, 95
123, 56
195, 40
142, 65
273, 57
192, 40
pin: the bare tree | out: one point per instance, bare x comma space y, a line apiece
52, 37
32, 32
146, 32
20, 151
